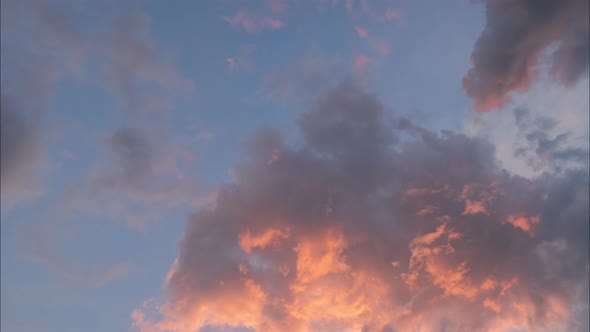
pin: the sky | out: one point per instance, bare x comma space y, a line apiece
297, 166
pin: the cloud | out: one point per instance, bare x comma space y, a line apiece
526, 223
44, 44
94, 275
253, 23
242, 61
139, 178
45, 249
361, 62
509, 51
277, 6
302, 79
20, 146
133, 62
378, 11
327, 236
361, 32
392, 15
28, 85
204, 135
382, 47
531, 137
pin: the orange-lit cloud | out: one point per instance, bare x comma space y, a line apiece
262, 240
478, 198
525, 223
327, 238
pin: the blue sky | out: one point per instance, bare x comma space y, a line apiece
88, 235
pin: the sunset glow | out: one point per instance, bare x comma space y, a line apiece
295, 166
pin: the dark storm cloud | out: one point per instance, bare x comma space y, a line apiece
517, 33
373, 223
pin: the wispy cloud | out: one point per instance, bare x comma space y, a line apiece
243, 60
361, 32
253, 23
361, 62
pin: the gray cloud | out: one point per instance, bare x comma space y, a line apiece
542, 133
517, 33
302, 79
139, 176
19, 146
39, 46
28, 83
44, 42
135, 63
375, 223
544, 149
134, 154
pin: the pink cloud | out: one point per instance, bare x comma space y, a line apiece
232, 64
253, 23
392, 15
361, 32
382, 47
361, 62
349, 4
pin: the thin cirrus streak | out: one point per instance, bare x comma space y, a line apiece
329, 236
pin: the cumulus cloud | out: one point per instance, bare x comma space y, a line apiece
328, 235
517, 35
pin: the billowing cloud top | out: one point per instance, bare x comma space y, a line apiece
115, 124
376, 224
516, 36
